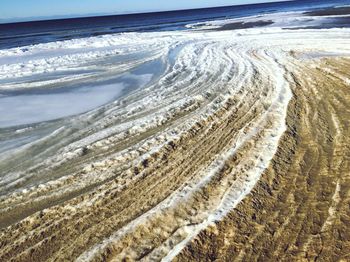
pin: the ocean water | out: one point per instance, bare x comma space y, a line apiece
50, 70
27, 33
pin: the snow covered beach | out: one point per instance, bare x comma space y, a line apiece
190, 123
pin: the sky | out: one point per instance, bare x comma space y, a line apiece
30, 9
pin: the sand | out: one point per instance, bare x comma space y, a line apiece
330, 12
243, 25
299, 210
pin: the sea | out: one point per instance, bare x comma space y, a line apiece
34, 32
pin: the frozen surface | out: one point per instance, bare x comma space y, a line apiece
33, 108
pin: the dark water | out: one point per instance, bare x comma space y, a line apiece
27, 33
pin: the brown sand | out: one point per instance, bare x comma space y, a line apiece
300, 209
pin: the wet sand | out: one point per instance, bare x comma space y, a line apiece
330, 11
244, 25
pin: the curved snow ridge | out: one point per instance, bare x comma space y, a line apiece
78, 59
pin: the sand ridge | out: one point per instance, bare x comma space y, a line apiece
238, 151
299, 210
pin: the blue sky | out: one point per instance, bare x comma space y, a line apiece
22, 9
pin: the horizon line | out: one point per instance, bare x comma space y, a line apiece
16, 20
